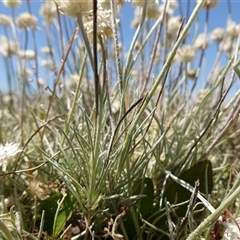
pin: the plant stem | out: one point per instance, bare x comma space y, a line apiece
211, 218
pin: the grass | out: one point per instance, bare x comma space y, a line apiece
119, 147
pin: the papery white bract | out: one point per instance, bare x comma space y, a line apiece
232, 232
72, 8
6, 151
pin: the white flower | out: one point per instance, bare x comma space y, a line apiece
233, 29
28, 54
232, 232
141, 2
7, 151
41, 82
12, 3
192, 73
210, 3
226, 45
73, 8
137, 17
104, 24
8, 47
173, 4
48, 64
24, 73
48, 11
26, 20
153, 10
185, 54
218, 34
201, 42
46, 50
116, 106
5, 20
173, 25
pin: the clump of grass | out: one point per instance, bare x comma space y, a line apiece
114, 147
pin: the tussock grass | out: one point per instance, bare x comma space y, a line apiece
119, 143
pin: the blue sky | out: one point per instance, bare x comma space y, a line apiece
217, 18
218, 15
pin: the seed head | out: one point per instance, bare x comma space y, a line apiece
72, 8
26, 20
201, 42
8, 47
217, 34
48, 11
186, 54
210, 3
5, 20
12, 3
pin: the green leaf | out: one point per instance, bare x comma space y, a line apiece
145, 187
50, 206
175, 193
64, 215
144, 205
201, 171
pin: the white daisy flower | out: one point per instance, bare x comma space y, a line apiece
6, 151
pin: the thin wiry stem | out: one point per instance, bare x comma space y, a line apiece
211, 218
35, 47
58, 76
95, 59
154, 49
116, 45
76, 96
213, 118
169, 60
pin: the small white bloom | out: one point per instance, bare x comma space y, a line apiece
24, 73
233, 29
12, 3
172, 4
218, 34
192, 73
48, 64
73, 8
8, 47
185, 54
141, 2
209, 3
46, 50
5, 20
26, 20
232, 232
173, 25
226, 45
48, 11
27, 54
137, 17
41, 82
201, 41
7, 151
153, 10
116, 105
203, 93
104, 24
